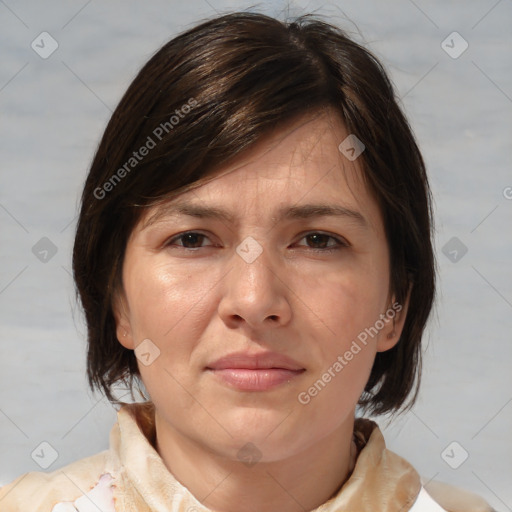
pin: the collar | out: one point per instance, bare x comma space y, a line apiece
381, 480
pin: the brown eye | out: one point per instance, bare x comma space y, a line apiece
318, 240
323, 241
189, 240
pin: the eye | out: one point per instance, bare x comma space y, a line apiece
316, 241
189, 240
324, 242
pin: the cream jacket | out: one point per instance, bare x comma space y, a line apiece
131, 477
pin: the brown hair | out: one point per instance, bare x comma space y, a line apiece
208, 95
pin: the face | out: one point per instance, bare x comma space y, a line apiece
257, 302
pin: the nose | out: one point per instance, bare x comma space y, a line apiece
255, 293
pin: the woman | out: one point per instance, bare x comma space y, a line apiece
254, 247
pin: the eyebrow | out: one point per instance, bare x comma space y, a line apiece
304, 211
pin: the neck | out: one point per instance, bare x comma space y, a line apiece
301, 482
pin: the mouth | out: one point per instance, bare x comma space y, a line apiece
256, 372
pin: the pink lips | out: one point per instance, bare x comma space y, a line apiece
257, 372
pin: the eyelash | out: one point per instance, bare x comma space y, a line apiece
339, 242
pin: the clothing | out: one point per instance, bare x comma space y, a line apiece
131, 477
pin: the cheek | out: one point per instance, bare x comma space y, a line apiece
345, 354
348, 304
160, 297
168, 308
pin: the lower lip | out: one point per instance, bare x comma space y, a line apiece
245, 379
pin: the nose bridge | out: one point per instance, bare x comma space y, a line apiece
253, 273
253, 291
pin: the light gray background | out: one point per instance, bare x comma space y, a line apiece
54, 110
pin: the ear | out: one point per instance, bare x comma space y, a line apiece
122, 318
395, 320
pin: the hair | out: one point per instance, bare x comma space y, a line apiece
208, 95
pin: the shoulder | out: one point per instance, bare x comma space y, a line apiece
404, 480
41, 492
449, 498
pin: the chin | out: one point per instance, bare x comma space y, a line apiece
268, 429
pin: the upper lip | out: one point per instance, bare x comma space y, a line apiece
260, 361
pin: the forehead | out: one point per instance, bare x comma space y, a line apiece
303, 149
298, 163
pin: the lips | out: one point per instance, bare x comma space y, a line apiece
255, 372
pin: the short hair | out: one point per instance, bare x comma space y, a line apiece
208, 95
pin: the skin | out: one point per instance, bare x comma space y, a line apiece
200, 300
